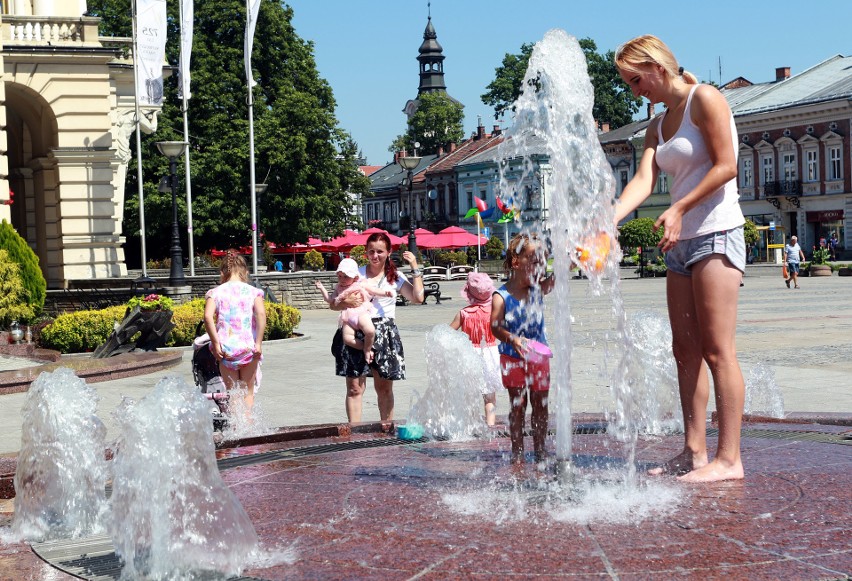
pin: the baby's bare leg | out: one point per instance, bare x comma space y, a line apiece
349, 337
369, 330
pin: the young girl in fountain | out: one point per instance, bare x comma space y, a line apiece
361, 317
475, 321
517, 317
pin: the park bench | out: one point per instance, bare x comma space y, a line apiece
431, 273
460, 272
432, 289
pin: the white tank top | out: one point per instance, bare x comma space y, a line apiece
685, 158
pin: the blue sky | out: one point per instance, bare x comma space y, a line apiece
367, 50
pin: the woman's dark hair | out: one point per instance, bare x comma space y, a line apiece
390, 267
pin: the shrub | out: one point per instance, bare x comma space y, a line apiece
151, 302
449, 257
186, 318
639, 232
281, 319
494, 247
35, 286
314, 260
750, 233
13, 305
359, 255
81, 331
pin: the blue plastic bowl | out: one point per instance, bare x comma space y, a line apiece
409, 431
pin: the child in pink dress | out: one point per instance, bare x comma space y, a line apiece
475, 321
354, 318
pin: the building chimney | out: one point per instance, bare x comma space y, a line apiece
453, 147
782, 73
651, 111
604, 127
440, 150
496, 130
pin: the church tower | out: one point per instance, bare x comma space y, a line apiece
431, 62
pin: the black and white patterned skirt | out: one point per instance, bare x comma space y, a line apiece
388, 356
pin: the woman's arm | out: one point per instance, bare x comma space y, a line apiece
351, 300
210, 327
260, 322
712, 116
414, 291
642, 184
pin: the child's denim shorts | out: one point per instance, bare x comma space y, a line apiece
731, 243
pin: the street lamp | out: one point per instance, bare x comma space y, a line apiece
173, 150
259, 190
408, 164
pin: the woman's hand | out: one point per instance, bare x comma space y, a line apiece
672, 222
409, 257
350, 301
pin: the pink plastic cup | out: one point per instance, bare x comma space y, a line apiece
537, 352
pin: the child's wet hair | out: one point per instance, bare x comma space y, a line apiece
235, 262
517, 245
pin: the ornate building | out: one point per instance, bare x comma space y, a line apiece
67, 110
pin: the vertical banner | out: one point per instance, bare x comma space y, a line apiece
150, 51
252, 9
186, 19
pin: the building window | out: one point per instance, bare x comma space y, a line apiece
623, 178
811, 166
788, 163
662, 183
469, 199
768, 169
746, 173
835, 163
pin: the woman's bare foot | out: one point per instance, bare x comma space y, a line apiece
683, 463
715, 471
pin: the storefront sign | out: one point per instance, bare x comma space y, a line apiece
825, 216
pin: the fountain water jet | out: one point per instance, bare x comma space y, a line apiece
61, 470
171, 511
554, 116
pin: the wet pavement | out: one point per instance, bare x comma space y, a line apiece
364, 504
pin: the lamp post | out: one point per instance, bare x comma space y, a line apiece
259, 189
408, 164
173, 150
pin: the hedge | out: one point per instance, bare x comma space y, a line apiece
83, 331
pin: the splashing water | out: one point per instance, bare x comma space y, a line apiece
554, 116
172, 513
244, 422
61, 470
452, 405
658, 400
762, 394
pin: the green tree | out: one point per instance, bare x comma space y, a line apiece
614, 103
13, 295
750, 232
639, 232
309, 163
494, 247
314, 260
438, 122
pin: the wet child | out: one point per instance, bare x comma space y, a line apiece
517, 316
354, 318
475, 321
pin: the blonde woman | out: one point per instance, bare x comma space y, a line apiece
235, 319
695, 142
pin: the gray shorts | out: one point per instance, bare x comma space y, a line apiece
731, 243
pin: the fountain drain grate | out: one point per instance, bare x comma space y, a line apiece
792, 435
94, 558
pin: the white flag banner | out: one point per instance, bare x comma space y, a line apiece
252, 9
187, 17
151, 50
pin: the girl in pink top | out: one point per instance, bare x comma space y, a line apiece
475, 321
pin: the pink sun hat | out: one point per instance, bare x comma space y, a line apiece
478, 288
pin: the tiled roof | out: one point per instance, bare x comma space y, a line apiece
827, 81
534, 143
370, 169
390, 176
462, 152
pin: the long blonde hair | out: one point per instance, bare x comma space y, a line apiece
233, 263
646, 50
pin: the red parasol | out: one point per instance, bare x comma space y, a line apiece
452, 237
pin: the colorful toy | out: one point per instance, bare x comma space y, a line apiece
592, 254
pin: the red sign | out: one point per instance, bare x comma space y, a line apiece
825, 216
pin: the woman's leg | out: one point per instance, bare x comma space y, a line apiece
517, 413
693, 384
716, 290
384, 396
538, 420
355, 387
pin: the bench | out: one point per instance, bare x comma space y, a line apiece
432, 289
435, 273
460, 272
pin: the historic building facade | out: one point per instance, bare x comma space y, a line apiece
67, 110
